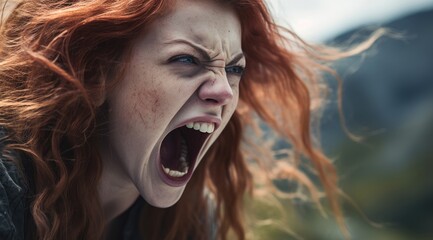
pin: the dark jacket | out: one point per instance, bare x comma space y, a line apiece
13, 191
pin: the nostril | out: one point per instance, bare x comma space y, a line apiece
211, 100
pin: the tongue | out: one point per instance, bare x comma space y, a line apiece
170, 149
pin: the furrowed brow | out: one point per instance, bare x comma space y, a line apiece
236, 59
202, 51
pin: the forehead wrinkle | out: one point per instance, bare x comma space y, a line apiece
211, 54
215, 30
199, 47
203, 37
213, 42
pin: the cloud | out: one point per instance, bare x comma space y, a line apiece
317, 20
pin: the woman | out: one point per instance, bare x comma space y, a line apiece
124, 119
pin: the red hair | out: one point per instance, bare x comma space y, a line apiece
53, 58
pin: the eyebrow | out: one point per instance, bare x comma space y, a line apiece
236, 59
202, 51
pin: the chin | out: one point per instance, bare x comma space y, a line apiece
164, 199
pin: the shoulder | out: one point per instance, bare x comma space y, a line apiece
12, 197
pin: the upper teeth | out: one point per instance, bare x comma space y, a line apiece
202, 126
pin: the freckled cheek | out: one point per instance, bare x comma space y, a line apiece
157, 103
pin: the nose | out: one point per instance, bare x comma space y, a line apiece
216, 90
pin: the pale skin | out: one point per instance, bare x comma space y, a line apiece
185, 68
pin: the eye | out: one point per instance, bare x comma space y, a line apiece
188, 59
238, 70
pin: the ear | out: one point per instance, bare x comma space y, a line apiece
98, 94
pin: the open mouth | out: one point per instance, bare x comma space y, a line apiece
180, 149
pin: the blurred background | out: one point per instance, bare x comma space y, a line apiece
388, 100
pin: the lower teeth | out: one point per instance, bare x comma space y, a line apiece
174, 173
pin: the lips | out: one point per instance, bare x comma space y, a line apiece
179, 151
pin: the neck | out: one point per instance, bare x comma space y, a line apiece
116, 190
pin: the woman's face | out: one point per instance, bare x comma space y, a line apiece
179, 92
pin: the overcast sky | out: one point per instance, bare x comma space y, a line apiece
317, 20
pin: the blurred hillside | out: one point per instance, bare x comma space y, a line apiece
387, 100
